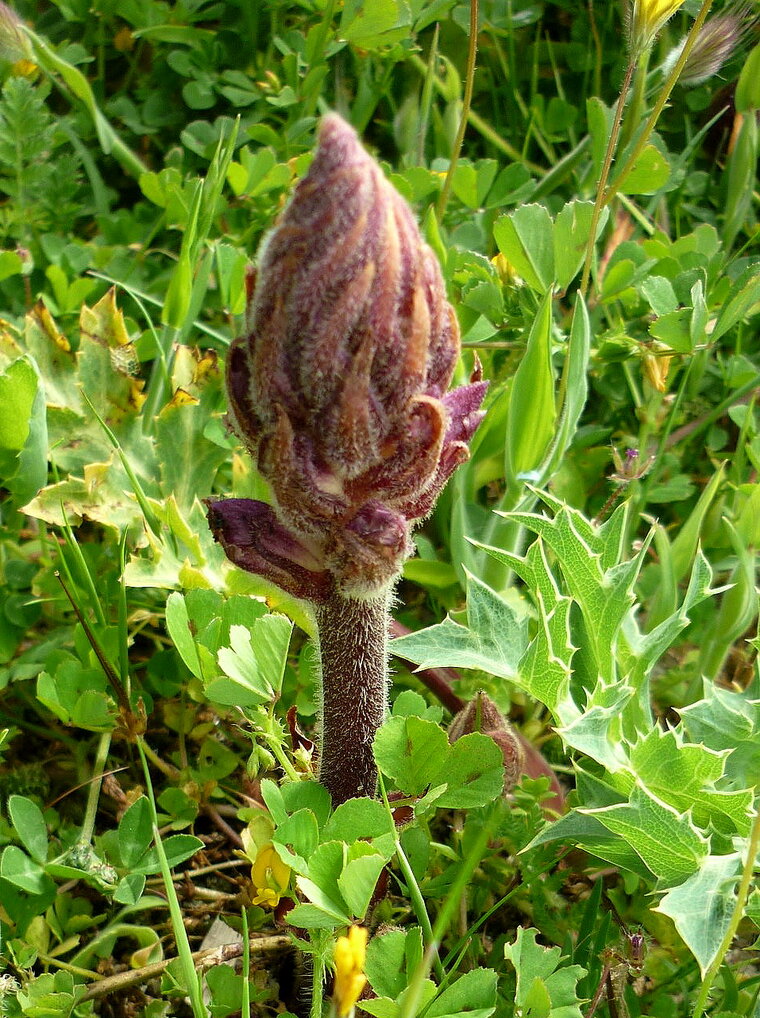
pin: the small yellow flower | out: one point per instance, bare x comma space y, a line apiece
647, 18
656, 367
350, 953
270, 877
504, 268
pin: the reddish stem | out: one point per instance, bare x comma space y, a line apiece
353, 649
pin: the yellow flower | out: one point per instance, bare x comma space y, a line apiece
656, 370
350, 980
646, 19
270, 877
504, 267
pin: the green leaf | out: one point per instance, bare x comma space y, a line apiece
181, 631
18, 387
532, 412
297, 837
701, 907
473, 994
742, 300
726, 720
650, 172
129, 889
27, 819
17, 868
135, 832
473, 772
494, 639
178, 848
660, 294
321, 886
571, 231
372, 25
748, 87
384, 968
257, 656
683, 775
544, 986
667, 842
358, 880
356, 818
525, 238
409, 750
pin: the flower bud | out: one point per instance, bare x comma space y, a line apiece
339, 388
482, 715
645, 20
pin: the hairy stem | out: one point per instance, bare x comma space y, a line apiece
353, 650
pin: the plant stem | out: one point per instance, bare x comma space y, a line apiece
93, 794
604, 175
415, 894
472, 51
187, 966
741, 898
353, 649
658, 107
317, 982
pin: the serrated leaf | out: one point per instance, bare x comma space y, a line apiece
701, 907
725, 720
597, 730
493, 641
684, 775
585, 832
667, 842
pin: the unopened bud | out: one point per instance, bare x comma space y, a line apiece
645, 20
339, 388
482, 715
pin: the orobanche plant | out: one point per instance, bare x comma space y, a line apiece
339, 390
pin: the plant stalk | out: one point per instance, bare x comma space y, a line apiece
353, 650
658, 107
604, 175
472, 52
745, 885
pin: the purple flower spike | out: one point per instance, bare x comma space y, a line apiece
339, 388
339, 392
